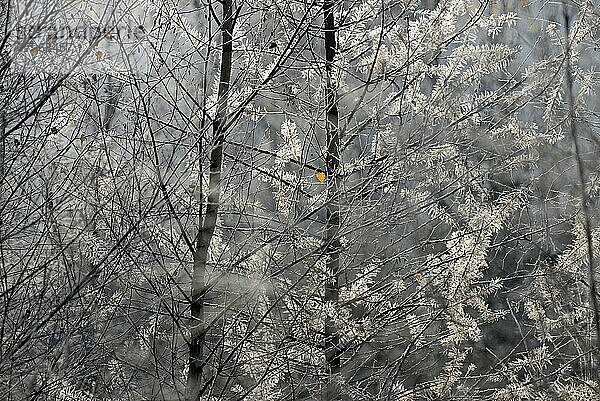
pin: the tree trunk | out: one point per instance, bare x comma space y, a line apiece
590, 360
332, 161
198, 329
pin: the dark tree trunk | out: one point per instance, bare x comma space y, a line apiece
195, 385
332, 160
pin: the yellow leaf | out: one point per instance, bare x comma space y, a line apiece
320, 176
33, 52
418, 277
99, 54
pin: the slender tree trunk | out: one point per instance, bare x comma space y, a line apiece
2, 152
4, 21
4, 60
195, 385
332, 160
589, 362
2, 172
2, 179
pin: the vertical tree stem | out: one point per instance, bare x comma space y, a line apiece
332, 160
198, 329
583, 191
